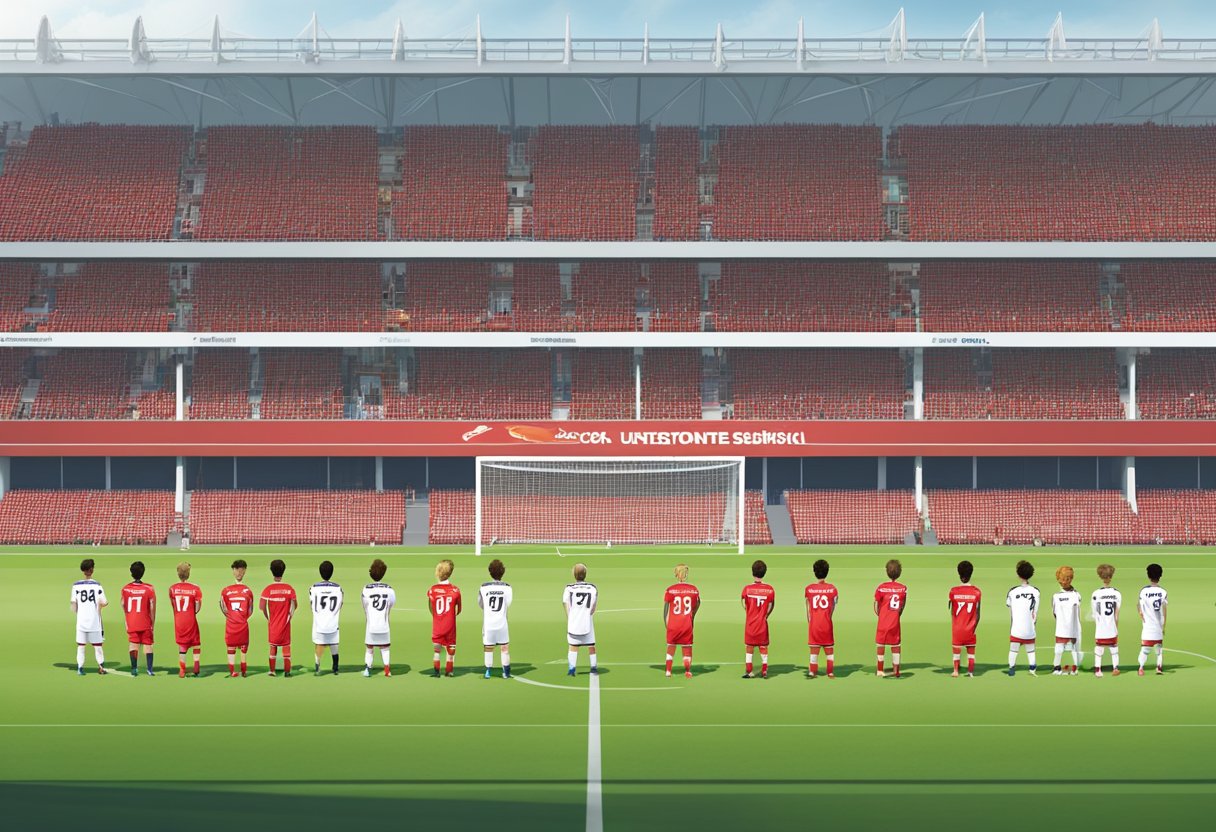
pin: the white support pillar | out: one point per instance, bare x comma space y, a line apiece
918, 383
328, 460
920, 485
179, 486
379, 473
6, 473
1129, 482
637, 385
882, 473
1133, 410
179, 412
108, 485
764, 478
476, 505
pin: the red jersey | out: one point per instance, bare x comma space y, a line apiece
185, 598
445, 604
279, 597
138, 601
758, 599
964, 614
237, 602
891, 597
684, 599
821, 601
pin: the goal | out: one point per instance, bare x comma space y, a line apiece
609, 500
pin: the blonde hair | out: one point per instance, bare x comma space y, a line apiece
580, 571
1064, 577
443, 570
1106, 571
183, 571
682, 572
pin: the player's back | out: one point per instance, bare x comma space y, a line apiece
683, 599
325, 598
445, 600
1066, 605
758, 596
238, 606
494, 598
279, 597
378, 601
580, 597
138, 599
1152, 602
964, 609
88, 596
1023, 603
1105, 603
891, 596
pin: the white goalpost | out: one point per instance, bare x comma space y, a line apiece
608, 501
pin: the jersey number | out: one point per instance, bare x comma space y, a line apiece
235, 604
181, 603
331, 601
820, 602
86, 596
495, 603
135, 603
681, 605
894, 602
1108, 607
582, 599
379, 600
959, 606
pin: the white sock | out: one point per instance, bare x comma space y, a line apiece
333, 649
1143, 656
99, 654
384, 656
1031, 656
1013, 656
1077, 655
830, 656
573, 659
592, 657
506, 658
747, 658
369, 657
763, 657
489, 660
894, 658
1098, 651
1114, 658
670, 657
1159, 649
80, 656
1059, 653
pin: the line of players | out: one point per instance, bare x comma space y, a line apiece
681, 602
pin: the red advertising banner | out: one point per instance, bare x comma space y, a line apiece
622, 438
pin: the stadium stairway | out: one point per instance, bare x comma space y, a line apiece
780, 525
417, 522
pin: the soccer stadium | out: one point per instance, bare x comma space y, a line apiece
587, 327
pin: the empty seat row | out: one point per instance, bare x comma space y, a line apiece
297, 517
30, 516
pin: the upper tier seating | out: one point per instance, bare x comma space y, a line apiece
536, 298
1169, 296
1177, 517
756, 531
451, 517
219, 387
798, 182
1021, 518
997, 296
1091, 182
675, 296
671, 384
817, 384
852, 516
1026, 384
1176, 384
93, 182
30, 517
605, 296
602, 384
476, 384
676, 153
17, 283
109, 296
586, 182
444, 296
301, 384
289, 183
84, 384
801, 296
12, 379
291, 517
303, 296
453, 184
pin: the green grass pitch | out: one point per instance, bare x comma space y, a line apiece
712, 752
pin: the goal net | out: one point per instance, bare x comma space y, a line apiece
608, 501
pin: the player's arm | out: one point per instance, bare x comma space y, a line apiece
481, 600
666, 609
1164, 609
772, 604
876, 606
152, 609
459, 603
977, 613
430, 603
102, 601
808, 610
696, 606
262, 607
1140, 610
291, 609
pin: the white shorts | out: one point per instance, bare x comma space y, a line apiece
90, 636
495, 637
376, 639
324, 638
576, 640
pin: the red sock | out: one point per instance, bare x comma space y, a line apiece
286, 659
970, 662
447, 667
813, 667
274, 658
764, 664
668, 664
881, 657
957, 658
687, 658
196, 662
243, 667
181, 665
749, 667
231, 661
831, 662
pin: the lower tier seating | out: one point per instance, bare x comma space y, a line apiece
1176, 384
1175, 516
755, 521
297, 517
1024, 517
852, 516
29, 516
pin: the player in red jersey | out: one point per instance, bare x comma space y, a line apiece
758, 602
681, 601
821, 598
889, 601
139, 605
444, 602
278, 604
236, 603
186, 599
964, 603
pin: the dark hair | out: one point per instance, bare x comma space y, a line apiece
497, 569
239, 564
137, 570
759, 569
964, 570
277, 568
1154, 571
327, 570
1025, 570
87, 565
820, 568
894, 569
378, 569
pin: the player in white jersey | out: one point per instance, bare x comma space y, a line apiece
1023, 603
87, 600
494, 598
580, 599
378, 601
1066, 607
325, 598
1105, 604
1153, 600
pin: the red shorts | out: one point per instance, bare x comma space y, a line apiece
183, 646
1060, 640
447, 639
887, 638
1150, 643
1016, 640
821, 637
681, 636
139, 636
1106, 642
963, 638
756, 638
237, 639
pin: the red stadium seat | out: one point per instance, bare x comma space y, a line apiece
585, 182
852, 516
1177, 517
105, 517
1048, 516
1176, 384
803, 296
817, 384
296, 296
454, 184
297, 517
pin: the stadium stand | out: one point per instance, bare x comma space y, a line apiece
84, 384
803, 296
93, 182
605, 296
798, 182
817, 384
17, 283
453, 184
852, 516
89, 302
756, 531
1177, 517
297, 517
219, 387
1176, 384
671, 384
585, 182
674, 291
677, 151
536, 298
1031, 296
1173, 296
12, 379
29, 516
289, 183
476, 384
1089, 182
451, 517
301, 384
309, 296
602, 384
1022, 384
1047, 516
444, 296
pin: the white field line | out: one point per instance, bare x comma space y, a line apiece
127, 726
580, 689
595, 787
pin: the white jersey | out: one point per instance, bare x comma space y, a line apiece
87, 597
326, 600
378, 602
580, 598
1152, 607
1067, 608
1023, 603
1104, 604
494, 598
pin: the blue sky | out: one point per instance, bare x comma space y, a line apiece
667, 18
